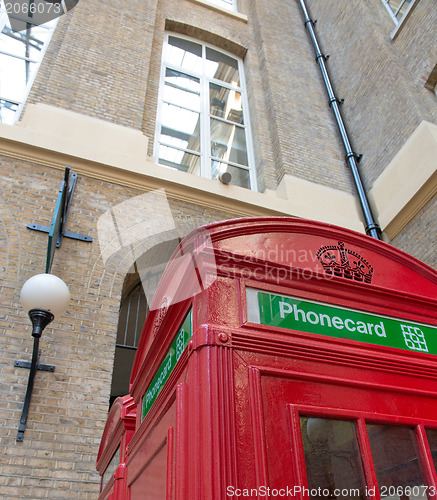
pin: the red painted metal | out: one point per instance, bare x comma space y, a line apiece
227, 419
119, 430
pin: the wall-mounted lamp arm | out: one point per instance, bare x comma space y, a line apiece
40, 319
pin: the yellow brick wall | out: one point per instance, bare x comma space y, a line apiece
57, 458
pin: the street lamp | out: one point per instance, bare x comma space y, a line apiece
43, 296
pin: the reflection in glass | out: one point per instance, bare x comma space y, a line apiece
225, 103
184, 53
399, 7
20, 53
180, 125
228, 142
240, 176
332, 458
13, 43
7, 111
432, 440
110, 469
222, 67
225, 4
14, 88
396, 461
133, 309
178, 159
201, 111
181, 88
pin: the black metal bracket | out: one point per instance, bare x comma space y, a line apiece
373, 227
337, 100
357, 157
57, 230
67, 234
40, 319
39, 366
34, 366
325, 58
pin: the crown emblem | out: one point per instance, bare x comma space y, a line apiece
339, 261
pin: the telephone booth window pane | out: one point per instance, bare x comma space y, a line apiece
432, 440
110, 469
396, 461
332, 458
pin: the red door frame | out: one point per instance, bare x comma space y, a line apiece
361, 418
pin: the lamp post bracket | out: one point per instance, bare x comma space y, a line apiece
57, 229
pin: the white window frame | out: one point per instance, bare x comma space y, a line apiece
225, 4
393, 13
20, 104
205, 149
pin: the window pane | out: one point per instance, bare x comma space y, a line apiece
181, 88
22, 71
15, 72
240, 176
432, 440
225, 4
402, 5
179, 159
25, 43
189, 98
184, 53
332, 458
110, 469
131, 318
180, 127
222, 67
396, 460
228, 142
7, 111
225, 103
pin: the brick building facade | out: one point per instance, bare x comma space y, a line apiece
94, 106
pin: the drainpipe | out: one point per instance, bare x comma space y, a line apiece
372, 228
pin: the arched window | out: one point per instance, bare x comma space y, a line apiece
203, 122
138, 289
133, 310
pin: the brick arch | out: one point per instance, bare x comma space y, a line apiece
206, 36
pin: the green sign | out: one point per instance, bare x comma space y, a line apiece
175, 351
323, 319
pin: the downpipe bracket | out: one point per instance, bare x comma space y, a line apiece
357, 157
337, 100
322, 56
313, 23
372, 229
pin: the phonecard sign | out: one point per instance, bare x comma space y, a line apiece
314, 317
166, 368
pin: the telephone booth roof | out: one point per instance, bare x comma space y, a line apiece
326, 262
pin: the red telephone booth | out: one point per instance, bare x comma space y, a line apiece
286, 358
119, 429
